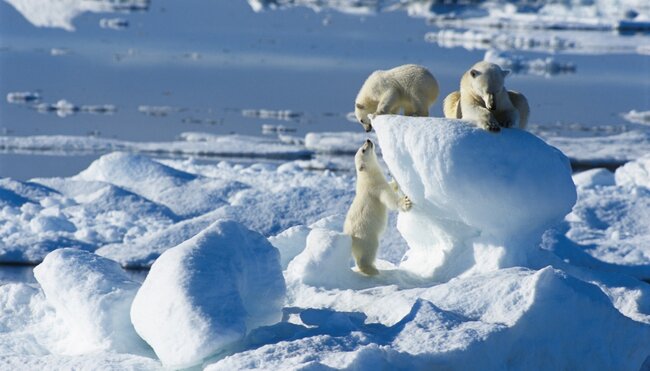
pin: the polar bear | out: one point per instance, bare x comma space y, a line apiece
410, 88
368, 214
484, 99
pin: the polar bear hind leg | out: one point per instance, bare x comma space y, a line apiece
364, 251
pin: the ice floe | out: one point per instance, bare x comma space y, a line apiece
548, 66
638, 117
603, 151
23, 97
285, 115
114, 23
60, 14
521, 284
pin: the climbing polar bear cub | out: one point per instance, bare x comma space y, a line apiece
484, 99
410, 88
368, 214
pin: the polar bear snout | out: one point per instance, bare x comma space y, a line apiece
367, 127
490, 102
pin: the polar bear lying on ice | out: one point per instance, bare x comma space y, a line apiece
484, 99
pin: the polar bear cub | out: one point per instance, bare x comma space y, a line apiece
410, 88
368, 214
484, 99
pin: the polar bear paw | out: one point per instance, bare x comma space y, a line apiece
492, 126
405, 204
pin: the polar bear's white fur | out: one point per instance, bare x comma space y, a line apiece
368, 214
410, 88
484, 99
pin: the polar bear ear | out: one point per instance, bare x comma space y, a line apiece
474, 73
359, 106
505, 73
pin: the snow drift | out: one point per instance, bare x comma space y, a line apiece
207, 292
481, 201
91, 296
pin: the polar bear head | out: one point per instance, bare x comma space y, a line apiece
361, 112
366, 159
487, 81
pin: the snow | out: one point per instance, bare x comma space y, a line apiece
92, 296
612, 217
327, 252
476, 204
548, 66
607, 150
207, 292
508, 319
201, 145
60, 14
638, 117
515, 276
635, 173
336, 142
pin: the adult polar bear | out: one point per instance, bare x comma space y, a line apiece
410, 88
484, 99
368, 214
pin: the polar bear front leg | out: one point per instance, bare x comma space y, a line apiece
420, 109
392, 199
512, 119
484, 118
387, 103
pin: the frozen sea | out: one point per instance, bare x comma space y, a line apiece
128, 127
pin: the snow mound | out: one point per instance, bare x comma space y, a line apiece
593, 178
481, 201
184, 193
507, 319
611, 220
207, 292
92, 296
290, 243
634, 173
325, 260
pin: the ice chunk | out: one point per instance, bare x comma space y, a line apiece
594, 177
92, 296
290, 243
325, 261
637, 117
207, 292
634, 173
481, 201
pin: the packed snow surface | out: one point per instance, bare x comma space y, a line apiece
207, 292
521, 283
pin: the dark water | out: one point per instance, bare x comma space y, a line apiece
206, 61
